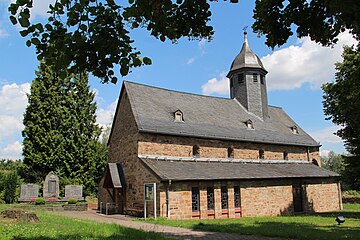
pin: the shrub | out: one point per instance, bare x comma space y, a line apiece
10, 184
72, 201
40, 201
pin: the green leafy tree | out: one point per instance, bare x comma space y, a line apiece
322, 20
60, 131
333, 162
342, 106
93, 36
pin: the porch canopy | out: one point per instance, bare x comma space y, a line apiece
114, 176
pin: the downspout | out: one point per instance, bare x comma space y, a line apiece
168, 199
340, 197
308, 153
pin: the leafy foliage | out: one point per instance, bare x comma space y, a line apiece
333, 162
60, 133
40, 201
341, 105
93, 36
322, 20
9, 185
72, 201
10, 180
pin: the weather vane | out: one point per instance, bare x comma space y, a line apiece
245, 29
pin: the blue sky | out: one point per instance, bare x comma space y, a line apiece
296, 72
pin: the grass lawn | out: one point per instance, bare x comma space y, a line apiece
321, 226
54, 227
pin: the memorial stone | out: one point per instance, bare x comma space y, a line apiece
51, 186
28, 192
73, 191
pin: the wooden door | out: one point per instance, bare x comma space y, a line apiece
297, 198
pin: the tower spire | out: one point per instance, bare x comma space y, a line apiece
247, 80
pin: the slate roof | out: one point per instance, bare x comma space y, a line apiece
204, 169
246, 58
209, 117
114, 176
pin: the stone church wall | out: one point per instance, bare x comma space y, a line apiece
165, 145
123, 149
258, 198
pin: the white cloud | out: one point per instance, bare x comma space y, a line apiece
9, 125
291, 67
324, 153
40, 7
327, 136
218, 86
105, 116
190, 60
12, 151
13, 101
13, 98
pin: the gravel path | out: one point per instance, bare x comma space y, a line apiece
174, 232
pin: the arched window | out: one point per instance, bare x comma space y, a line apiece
261, 154
178, 116
196, 151
231, 152
315, 162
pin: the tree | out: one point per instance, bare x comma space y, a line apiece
322, 20
93, 36
333, 162
341, 105
60, 131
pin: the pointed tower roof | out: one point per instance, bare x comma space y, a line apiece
246, 58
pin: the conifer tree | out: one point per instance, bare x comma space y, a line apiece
61, 133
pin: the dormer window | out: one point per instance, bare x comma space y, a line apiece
249, 124
178, 116
294, 130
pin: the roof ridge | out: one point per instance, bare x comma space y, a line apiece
176, 91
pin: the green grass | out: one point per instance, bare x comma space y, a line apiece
321, 226
55, 227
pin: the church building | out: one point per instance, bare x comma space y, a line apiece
212, 157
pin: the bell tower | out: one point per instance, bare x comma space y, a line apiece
248, 82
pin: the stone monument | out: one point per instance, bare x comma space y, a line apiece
51, 186
74, 191
28, 192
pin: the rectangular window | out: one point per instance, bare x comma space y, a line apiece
241, 78
210, 198
237, 196
224, 197
195, 196
255, 77
262, 77
285, 155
